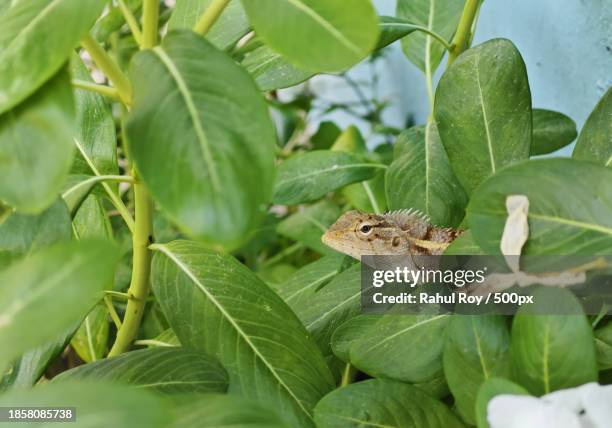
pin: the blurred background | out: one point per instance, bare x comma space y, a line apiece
566, 45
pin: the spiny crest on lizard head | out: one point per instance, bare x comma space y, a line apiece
401, 232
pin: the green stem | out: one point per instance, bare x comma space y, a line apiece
150, 14
348, 375
114, 198
210, 16
104, 90
464, 30
113, 313
131, 21
141, 266
109, 67
434, 35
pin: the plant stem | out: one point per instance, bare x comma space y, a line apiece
282, 254
464, 30
104, 90
116, 200
109, 67
131, 21
141, 266
113, 313
150, 13
348, 375
210, 16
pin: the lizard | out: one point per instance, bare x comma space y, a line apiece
402, 232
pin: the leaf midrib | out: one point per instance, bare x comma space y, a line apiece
326, 25
484, 112
329, 170
193, 114
165, 250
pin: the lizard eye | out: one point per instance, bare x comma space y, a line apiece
365, 229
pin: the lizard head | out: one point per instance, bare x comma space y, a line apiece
358, 234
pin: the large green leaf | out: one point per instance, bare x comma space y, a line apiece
439, 16
194, 106
232, 23
217, 305
43, 295
368, 196
420, 177
569, 207
36, 146
595, 140
170, 370
476, 349
21, 234
483, 111
97, 405
383, 403
318, 35
95, 135
308, 225
492, 387
224, 411
551, 131
405, 347
551, 352
37, 38
308, 176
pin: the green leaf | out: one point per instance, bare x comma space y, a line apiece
483, 111
90, 340
29, 368
464, 245
350, 141
383, 403
308, 225
113, 21
552, 352
325, 136
97, 404
218, 411
492, 387
22, 234
91, 220
603, 343
271, 71
476, 349
551, 131
406, 348
167, 370
220, 179
595, 140
36, 146
314, 290
348, 332
217, 305
368, 196
569, 208
166, 338
392, 29
420, 177
439, 16
95, 135
37, 38
43, 295
308, 176
229, 28
317, 35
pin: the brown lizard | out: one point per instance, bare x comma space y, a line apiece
403, 232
